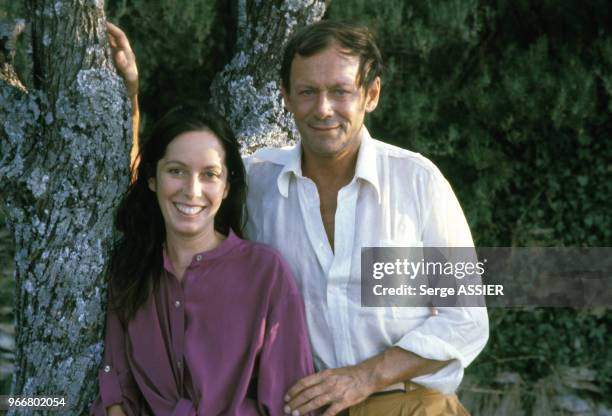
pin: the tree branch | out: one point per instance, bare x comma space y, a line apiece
247, 90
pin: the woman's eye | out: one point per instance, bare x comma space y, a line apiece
211, 175
175, 171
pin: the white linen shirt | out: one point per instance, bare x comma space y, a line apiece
396, 198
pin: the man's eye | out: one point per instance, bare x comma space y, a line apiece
307, 93
340, 92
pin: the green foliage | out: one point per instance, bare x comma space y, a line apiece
512, 99
179, 46
10, 9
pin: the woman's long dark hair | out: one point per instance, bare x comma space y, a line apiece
137, 258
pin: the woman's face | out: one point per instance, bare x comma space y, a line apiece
190, 183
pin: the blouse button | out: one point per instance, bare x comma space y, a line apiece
107, 369
177, 304
199, 257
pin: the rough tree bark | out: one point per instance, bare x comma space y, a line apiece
247, 90
63, 165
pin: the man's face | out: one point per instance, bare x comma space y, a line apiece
327, 105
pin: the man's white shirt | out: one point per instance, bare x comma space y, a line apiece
397, 198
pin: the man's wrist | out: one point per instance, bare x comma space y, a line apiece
375, 372
392, 366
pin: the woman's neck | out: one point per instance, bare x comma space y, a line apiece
181, 249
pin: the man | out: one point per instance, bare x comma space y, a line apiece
339, 190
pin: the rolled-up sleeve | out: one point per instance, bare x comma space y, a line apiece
450, 333
116, 384
455, 333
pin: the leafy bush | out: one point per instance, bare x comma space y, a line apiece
512, 100
179, 48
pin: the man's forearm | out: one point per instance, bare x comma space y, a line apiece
395, 365
343, 387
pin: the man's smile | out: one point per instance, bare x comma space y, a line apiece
324, 127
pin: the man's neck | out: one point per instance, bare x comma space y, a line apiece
333, 171
330, 174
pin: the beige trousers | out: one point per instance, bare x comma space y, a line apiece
416, 401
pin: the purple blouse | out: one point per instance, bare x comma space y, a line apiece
230, 339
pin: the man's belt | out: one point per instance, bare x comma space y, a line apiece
402, 386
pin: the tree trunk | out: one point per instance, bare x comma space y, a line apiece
248, 90
63, 166
64, 145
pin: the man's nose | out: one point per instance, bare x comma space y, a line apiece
324, 106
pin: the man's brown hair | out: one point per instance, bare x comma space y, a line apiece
354, 40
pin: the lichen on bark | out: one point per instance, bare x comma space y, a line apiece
247, 90
64, 165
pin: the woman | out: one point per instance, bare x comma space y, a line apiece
200, 321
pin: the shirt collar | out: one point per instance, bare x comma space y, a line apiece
226, 246
365, 168
292, 164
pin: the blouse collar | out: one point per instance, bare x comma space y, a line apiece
225, 247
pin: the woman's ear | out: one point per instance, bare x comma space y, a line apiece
152, 184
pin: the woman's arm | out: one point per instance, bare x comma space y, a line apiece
285, 357
125, 62
118, 393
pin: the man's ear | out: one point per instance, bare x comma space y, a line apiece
152, 184
286, 99
372, 95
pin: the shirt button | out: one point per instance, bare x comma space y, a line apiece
177, 304
179, 363
199, 257
107, 369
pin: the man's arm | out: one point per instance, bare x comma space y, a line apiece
452, 335
343, 387
125, 62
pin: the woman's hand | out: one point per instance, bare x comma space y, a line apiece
115, 410
125, 60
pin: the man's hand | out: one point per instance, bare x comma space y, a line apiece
115, 410
340, 388
125, 60
344, 387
